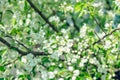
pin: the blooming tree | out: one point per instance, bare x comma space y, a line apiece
59, 39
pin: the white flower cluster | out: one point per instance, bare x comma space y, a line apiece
97, 4
83, 31
69, 8
107, 44
75, 74
54, 18
66, 8
94, 61
117, 2
29, 61
52, 74
83, 61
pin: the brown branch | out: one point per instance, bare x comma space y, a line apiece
6, 35
101, 39
35, 53
12, 47
42, 15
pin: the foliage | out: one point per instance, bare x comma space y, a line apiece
59, 39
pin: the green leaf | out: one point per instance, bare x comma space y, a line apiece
2, 68
21, 76
45, 60
2, 79
28, 77
61, 72
26, 7
3, 51
15, 31
79, 7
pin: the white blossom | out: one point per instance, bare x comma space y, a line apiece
83, 60
60, 65
69, 8
62, 42
74, 60
61, 49
27, 21
44, 75
67, 49
73, 77
52, 63
102, 69
51, 75
76, 72
56, 0
29, 57
98, 4
19, 72
33, 63
83, 31
94, 61
20, 22
24, 59
63, 30
117, 2
107, 25
14, 16
61, 79
70, 68
28, 15
55, 71
81, 64
107, 44
69, 43
54, 18
50, 50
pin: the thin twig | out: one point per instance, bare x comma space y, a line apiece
18, 42
6, 35
94, 18
96, 34
101, 39
10, 62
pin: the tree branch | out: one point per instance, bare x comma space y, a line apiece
101, 39
35, 53
43, 16
12, 47
17, 42
6, 35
